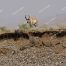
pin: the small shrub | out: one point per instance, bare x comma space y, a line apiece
45, 27
4, 29
24, 26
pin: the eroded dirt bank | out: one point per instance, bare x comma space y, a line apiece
47, 48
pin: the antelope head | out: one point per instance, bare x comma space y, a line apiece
27, 19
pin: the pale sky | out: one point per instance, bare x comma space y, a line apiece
12, 12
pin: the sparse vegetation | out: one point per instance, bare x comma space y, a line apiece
61, 26
4, 29
24, 26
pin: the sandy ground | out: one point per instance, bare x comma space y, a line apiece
47, 50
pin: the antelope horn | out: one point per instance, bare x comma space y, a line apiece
25, 17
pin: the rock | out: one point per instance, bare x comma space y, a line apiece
57, 63
64, 44
47, 44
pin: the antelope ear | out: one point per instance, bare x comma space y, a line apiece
25, 16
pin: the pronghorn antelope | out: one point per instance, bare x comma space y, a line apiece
32, 21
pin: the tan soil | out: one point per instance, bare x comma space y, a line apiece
47, 50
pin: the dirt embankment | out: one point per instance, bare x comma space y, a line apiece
31, 47
52, 39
